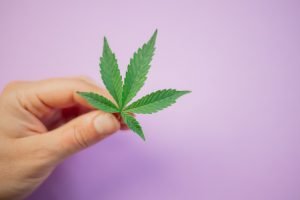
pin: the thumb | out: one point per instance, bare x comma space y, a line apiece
84, 131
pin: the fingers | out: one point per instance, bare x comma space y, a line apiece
61, 92
44, 96
85, 131
81, 133
122, 123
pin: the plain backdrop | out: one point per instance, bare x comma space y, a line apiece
236, 136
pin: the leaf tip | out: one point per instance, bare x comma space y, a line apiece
105, 42
142, 136
144, 139
186, 91
154, 35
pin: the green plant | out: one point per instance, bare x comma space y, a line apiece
123, 93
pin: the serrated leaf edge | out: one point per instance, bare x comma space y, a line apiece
117, 85
114, 108
127, 96
139, 103
126, 116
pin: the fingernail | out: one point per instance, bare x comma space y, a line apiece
106, 124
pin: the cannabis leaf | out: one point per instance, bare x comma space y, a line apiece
110, 73
135, 78
99, 102
133, 124
155, 101
137, 70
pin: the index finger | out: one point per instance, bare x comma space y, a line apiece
61, 92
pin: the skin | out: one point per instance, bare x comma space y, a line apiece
42, 123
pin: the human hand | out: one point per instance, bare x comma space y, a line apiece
41, 124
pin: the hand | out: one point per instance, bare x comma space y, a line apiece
41, 124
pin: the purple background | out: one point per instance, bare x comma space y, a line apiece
236, 136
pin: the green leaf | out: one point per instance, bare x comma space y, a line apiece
135, 78
110, 73
137, 70
133, 124
99, 102
155, 101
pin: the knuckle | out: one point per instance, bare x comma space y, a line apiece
13, 85
10, 86
79, 137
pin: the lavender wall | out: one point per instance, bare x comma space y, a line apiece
236, 136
